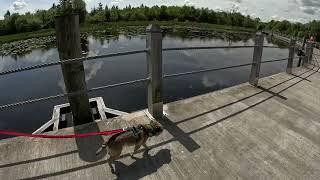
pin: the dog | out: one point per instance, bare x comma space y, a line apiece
134, 136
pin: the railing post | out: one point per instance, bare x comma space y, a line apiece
311, 52
154, 60
68, 43
304, 43
307, 55
301, 60
257, 55
292, 47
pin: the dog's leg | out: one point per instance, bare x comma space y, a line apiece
146, 147
111, 160
136, 147
111, 167
114, 155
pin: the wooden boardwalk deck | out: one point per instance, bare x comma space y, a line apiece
243, 132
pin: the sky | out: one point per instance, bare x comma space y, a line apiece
292, 10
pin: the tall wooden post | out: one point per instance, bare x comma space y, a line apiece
292, 47
154, 60
68, 42
257, 55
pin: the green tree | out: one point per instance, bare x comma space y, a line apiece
2, 28
100, 6
14, 23
107, 13
114, 14
163, 15
204, 15
64, 7
7, 14
10, 23
79, 7
27, 23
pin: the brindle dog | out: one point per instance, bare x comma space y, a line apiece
134, 136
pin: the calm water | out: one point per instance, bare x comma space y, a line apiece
49, 81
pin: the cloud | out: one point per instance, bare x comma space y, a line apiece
188, 3
19, 4
304, 10
92, 70
1, 18
310, 6
309, 11
116, 2
212, 82
236, 1
280, 18
310, 3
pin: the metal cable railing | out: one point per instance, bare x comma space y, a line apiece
212, 47
204, 70
128, 82
275, 47
71, 94
119, 54
205, 47
274, 60
71, 61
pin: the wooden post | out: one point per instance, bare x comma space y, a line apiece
311, 52
304, 43
292, 47
307, 55
257, 55
154, 60
303, 48
68, 42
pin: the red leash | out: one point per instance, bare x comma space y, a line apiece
104, 133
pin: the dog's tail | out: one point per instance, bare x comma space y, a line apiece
103, 146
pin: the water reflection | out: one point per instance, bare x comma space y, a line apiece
49, 81
92, 69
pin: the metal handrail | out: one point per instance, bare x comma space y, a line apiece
119, 54
71, 94
204, 47
71, 61
123, 83
274, 60
275, 47
204, 70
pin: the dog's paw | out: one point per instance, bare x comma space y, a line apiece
113, 171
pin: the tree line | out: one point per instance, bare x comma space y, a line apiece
295, 29
42, 19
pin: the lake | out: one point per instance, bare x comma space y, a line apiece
49, 81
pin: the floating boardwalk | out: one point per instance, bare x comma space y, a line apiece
267, 131
242, 132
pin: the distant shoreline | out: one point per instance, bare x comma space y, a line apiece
113, 28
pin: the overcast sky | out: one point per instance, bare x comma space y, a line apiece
292, 10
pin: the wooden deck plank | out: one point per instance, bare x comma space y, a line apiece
240, 132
